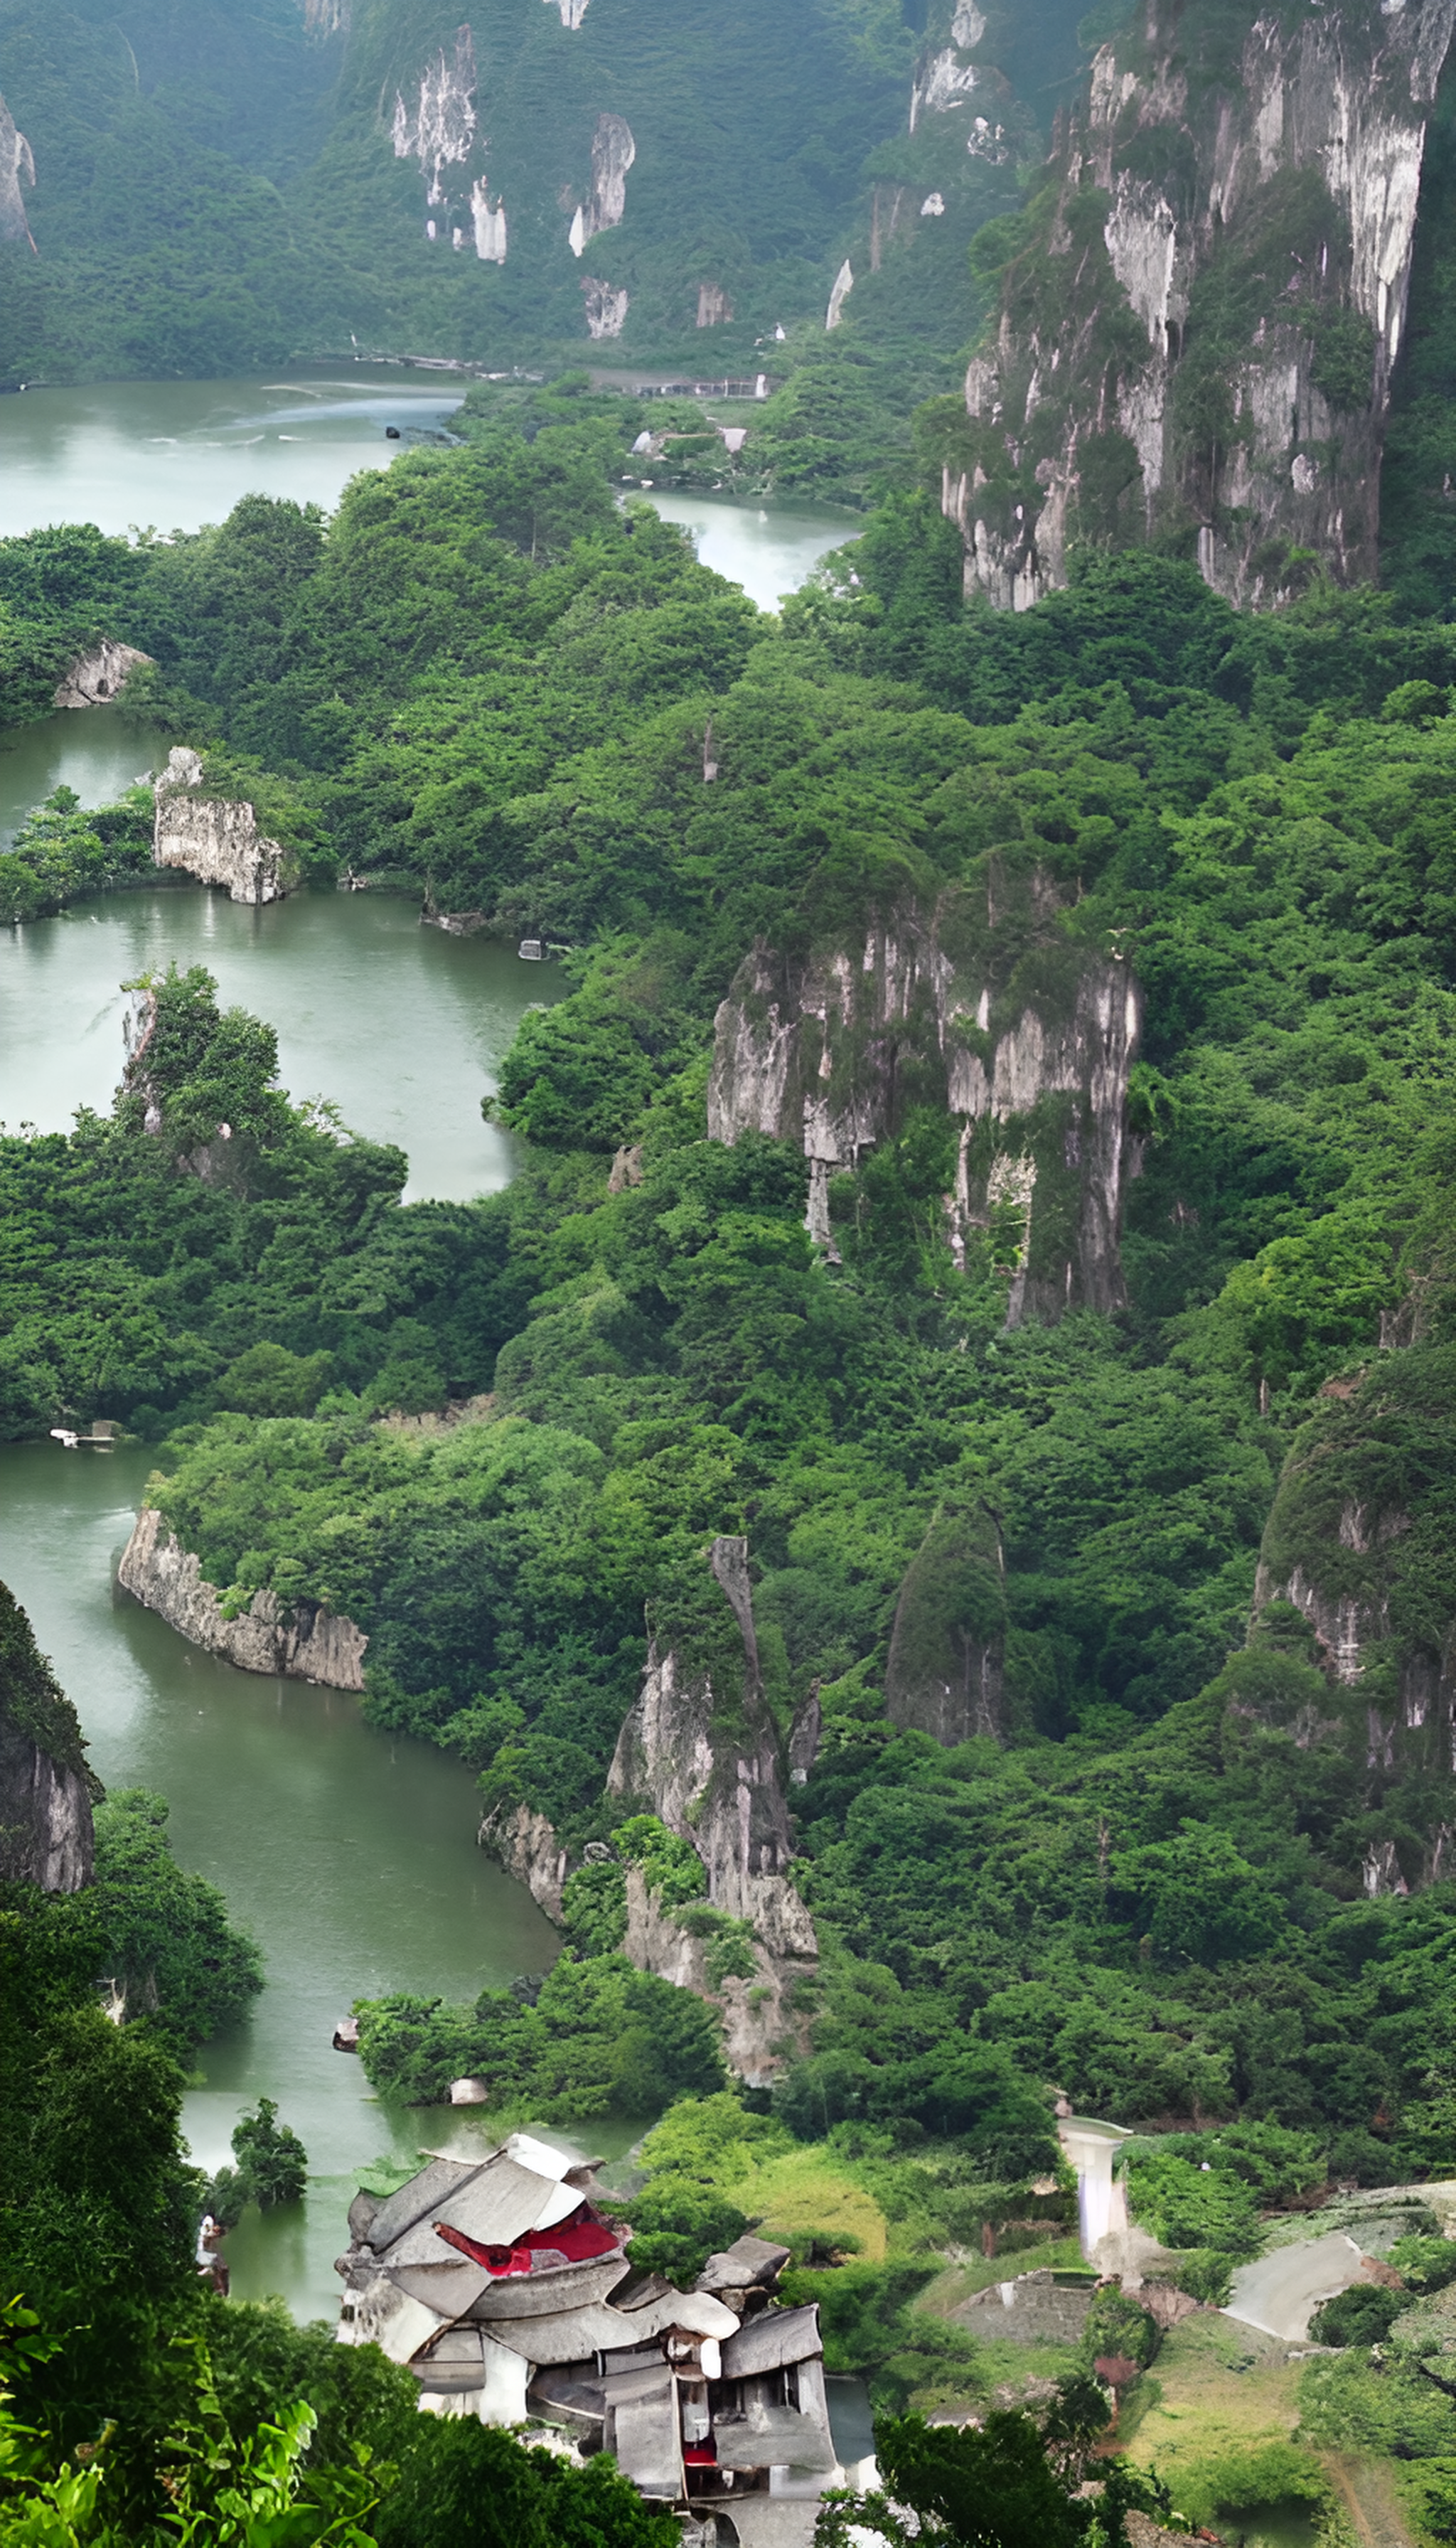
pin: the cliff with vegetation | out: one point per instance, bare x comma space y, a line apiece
300, 1641
1202, 308
1358, 1549
978, 1005
46, 1791
215, 838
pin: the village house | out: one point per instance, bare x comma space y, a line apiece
510, 2296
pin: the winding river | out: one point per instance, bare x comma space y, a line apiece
351, 1854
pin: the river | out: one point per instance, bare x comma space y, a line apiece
175, 454
351, 1854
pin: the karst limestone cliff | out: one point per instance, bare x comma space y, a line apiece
17, 169
700, 1750
298, 1642
976, 1001
213, 838
1357, 1551
45, 1788
1202, 308
99, 676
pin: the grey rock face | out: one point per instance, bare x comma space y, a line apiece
1299, 161
46, 1826
45, 1788
755, 2008
99, 677
17, 169
1031, 1049
212, 838
301, 1643
705, 1760
528, 1849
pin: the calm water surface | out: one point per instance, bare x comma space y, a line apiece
98, 752
351, 1854
770, 550
399, 1025
175, 454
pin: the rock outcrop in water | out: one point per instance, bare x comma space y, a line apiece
45, 1788
216, 839
1198, 327
301, 1642
978, 1002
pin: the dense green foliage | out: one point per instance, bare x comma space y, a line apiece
170, 1952
32, 1706
594, 2035
482, 671
1013, 2480
272, 2167
62, 852
135, 2409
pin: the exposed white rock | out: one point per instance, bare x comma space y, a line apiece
614, 152
708, 1762
216, 839
490, 224
715, 308
606, 307
1141, 237
933, 206
528, 1849
304, 1642
98, 676
986, 140
17, 169
438, 130
844, 285
940, 84
968, 26
1341, 93
803, 1053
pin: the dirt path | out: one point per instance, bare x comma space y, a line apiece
1366, 2489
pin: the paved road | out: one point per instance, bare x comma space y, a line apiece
1281, 2293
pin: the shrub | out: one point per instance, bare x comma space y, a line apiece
1363, 2314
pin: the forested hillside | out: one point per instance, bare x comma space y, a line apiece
213, 190
1016, 1417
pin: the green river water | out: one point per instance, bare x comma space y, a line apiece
349, 1855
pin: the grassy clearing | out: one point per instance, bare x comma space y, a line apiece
1223, 2387
809, 2189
